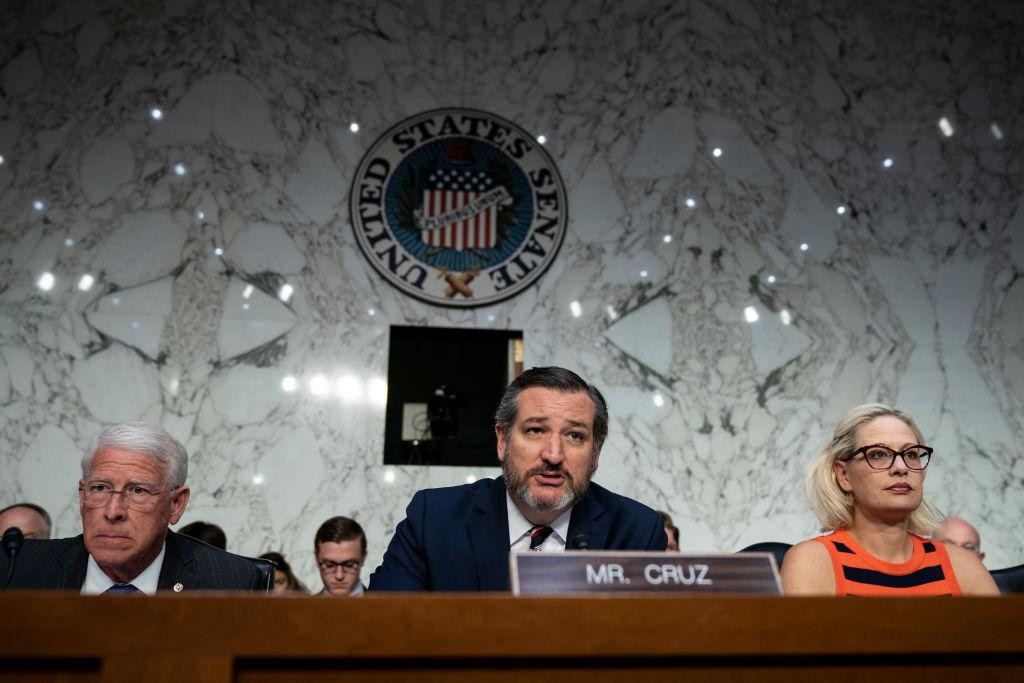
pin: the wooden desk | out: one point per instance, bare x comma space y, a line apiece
61, 637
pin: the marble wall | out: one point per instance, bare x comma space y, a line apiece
858, 235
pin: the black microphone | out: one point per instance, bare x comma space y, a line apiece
580, 541
13, 538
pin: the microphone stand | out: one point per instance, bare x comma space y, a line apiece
580, 541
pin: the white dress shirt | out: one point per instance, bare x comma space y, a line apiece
519, 530
97, 582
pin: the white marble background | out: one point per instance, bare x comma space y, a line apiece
913, 295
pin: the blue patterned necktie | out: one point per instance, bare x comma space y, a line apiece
121, 589
538, 535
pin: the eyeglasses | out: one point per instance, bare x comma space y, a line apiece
96, 494
880, 457
348, 566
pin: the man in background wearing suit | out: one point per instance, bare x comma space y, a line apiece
132, 488
550, 426
340, 551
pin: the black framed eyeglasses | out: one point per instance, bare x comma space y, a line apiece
347, 567
879, 457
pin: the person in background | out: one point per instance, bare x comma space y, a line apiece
285, 580
672, 531
958, 532
340, 551
208, 533
32, 519
867, 488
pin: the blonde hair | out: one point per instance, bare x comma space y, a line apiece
834, 506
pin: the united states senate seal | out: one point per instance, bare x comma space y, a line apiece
458, 207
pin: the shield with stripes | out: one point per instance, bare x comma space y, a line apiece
460, 209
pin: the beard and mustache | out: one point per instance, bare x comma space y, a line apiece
518, 484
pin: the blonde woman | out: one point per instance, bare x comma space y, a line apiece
867, 489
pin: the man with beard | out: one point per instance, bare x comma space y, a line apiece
550, 426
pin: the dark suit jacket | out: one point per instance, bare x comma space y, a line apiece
456, 539
60, 564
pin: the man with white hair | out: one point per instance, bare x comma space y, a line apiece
132, 488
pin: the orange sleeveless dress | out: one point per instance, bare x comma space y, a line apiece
927, 572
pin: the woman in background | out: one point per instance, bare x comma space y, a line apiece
867, 488
285, 580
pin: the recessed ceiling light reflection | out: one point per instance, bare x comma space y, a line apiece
575, 308
246, 306
666, 239
86, 282
217, 251
716, 152
470, 478
542, 139
247, 292
156, 113
258, 479
785, 317
658, 400
201, 215
750, 314
612, 313
46, 281
997, 133
319, 385
289, 384
771, 279
38, 205
2, 160
389, 476
841, 209
354, 127
804, 246
887, 162
348, 388
946, 127
490, 317
285, 292
371, 312
377, 388
179, 169
691, 202
643, 273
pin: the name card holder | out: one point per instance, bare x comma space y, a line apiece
631, 572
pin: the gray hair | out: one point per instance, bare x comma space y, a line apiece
140, 437
832, 505
559, 379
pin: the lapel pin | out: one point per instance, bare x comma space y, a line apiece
178, 588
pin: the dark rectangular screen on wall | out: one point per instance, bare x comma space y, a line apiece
443, 388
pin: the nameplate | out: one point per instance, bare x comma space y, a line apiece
630, 572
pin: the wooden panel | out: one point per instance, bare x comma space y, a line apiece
445, 638
836, 673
